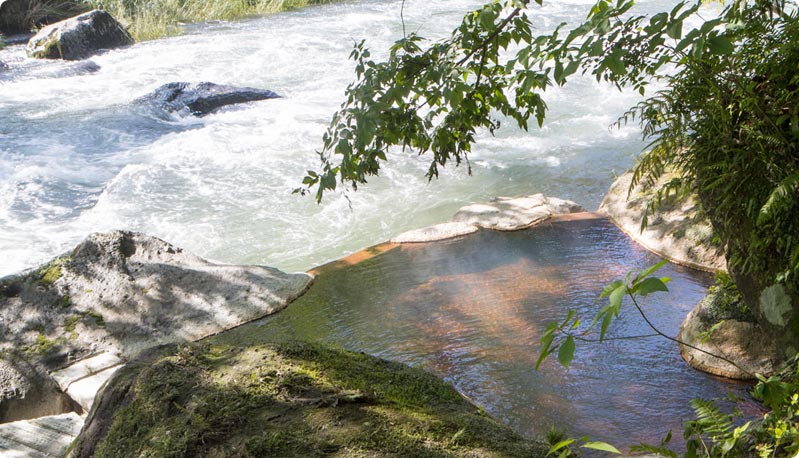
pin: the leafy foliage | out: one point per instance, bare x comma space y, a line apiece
150, 19
728, 126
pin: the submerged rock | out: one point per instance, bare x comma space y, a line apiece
79, 37
200, 99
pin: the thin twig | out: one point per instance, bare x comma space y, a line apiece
402, 18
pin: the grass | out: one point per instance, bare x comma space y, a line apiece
150, 19
289, 400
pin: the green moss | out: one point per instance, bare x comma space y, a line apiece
294, 400
69, 325
98, 318
49, 273
41, 345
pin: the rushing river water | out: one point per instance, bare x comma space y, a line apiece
77, 157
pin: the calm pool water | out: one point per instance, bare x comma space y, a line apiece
473, 309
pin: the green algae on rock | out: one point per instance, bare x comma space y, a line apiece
290, 399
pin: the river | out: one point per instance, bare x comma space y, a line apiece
76, 156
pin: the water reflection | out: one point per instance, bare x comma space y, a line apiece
473, 309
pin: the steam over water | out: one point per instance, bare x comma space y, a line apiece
76, 156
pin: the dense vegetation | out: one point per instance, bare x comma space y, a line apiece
145, 19
149, 19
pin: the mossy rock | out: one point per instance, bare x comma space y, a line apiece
288, 400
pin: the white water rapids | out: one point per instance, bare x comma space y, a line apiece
77, 157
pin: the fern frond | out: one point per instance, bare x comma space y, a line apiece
780, 198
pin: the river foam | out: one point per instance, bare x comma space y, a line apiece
76, 156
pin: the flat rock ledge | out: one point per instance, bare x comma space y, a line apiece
68, 326
748, 346
500, 214
675, 232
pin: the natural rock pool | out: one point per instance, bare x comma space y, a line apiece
472, 310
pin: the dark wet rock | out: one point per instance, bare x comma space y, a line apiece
79, 37
3, 66
200, 99
17, 38
80, 68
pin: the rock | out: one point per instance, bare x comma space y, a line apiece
3, 66
26, 392
79, 37
287, 400
120, 293
434, 233
46, 437
200, 99
511, 214
676, 232
751, 348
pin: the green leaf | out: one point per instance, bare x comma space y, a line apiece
615, 299
720, 45
602, 446
560, 445
674, 30
649, 271
566, 352
609, 288
615, 64
649, 286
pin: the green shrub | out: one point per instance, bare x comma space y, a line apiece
150, 19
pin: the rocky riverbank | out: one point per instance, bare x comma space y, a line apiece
71, 325
716, 326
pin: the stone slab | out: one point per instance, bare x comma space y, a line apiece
85, 368
43, 437
514, 213
85, 390
434, 233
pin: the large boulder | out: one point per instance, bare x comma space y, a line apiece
287, 400
200, 99
116, 295
79, 37
678, 231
